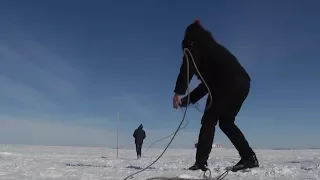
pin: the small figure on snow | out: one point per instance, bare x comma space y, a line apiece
229, 84
139, 135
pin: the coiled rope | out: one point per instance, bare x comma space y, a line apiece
185, 50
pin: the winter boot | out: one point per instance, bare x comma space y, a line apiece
198, 166
246, 163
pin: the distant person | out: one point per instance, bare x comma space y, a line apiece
229, 84
139, 135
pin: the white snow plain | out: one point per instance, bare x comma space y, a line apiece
20, 162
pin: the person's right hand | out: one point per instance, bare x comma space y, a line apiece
176, 101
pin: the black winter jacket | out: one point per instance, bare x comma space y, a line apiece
139, 134
219, 67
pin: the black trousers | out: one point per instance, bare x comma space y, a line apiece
138, 148
224, 108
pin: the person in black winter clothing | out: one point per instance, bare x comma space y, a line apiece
139, 135
229, 84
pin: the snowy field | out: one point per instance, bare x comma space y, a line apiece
81, 163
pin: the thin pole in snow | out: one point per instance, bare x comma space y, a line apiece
118, 136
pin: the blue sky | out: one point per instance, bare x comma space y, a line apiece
68, 67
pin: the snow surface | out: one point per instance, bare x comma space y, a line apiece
18, 162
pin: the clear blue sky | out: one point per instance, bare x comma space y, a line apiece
68, 67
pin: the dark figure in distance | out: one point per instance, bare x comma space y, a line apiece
229, 84
139, 135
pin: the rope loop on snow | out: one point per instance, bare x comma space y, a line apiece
220, 177
207, 177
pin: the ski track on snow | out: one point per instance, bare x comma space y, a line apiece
82, 163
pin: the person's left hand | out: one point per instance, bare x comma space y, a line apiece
176, 101
184, 102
